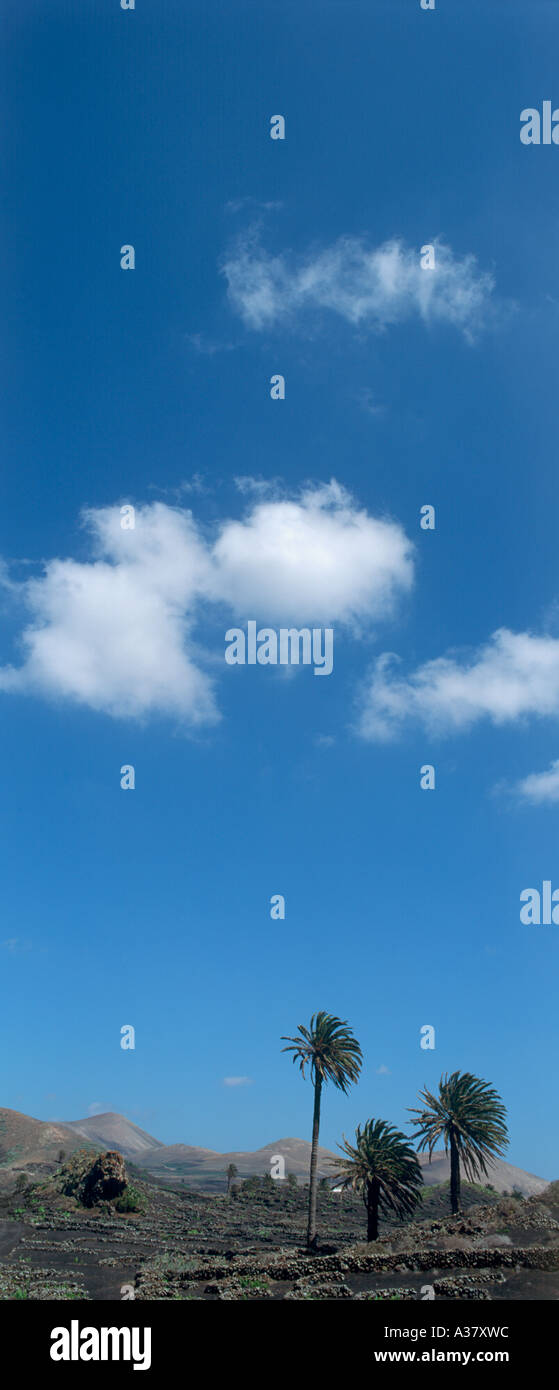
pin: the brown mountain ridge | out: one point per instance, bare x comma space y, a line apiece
26, 1143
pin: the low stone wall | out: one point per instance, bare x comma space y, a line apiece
536, 1257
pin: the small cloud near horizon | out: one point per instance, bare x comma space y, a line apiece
238, 1081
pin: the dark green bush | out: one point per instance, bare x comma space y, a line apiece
130, 1200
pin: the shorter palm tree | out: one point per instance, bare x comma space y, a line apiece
382, 1166
469, 1116
232, 1172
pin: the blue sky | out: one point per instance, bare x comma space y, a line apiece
152, 388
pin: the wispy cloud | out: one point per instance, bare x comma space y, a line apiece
365, 397
15, 945
197, 483
261, 487
514, 675
208, 347
368, 286
238, 1081
254, 205
540, 788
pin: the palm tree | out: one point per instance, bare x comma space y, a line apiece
384, 1167
232, 1172
469, 1116
331, 1052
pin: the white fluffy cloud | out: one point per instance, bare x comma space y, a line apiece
540, 788
114, 633
366, 285
317, 559
123, 633
515, 674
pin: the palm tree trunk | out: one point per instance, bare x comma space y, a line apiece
311, 1228
454, 1175
372, 1210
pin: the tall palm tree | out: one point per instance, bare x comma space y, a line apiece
382, 1166
330, 1051
469, 1115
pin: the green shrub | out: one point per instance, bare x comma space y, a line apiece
131, 1200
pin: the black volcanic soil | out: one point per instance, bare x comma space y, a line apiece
188, 1245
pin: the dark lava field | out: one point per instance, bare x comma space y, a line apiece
182, 1244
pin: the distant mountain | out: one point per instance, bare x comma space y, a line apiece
295, 1152
25, 1142
181, 1160
502, 1176
110, 1131
29, 1143
178, 1160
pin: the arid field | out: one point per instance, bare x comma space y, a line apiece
182, 1244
